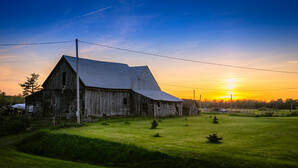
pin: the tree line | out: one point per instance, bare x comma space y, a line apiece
252, 104
10, 100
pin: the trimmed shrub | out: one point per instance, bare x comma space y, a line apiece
213, 138
156, 135
154, 124
215, 120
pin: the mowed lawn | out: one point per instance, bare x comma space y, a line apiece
252, 141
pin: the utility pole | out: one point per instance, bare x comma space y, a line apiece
194, 95
78, 84
231, 102
200, 102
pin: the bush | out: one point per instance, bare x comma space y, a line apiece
186, 125
294, 113
126, 122
156, 135
104, 123
215, 120
213, 138
67, 125
154, 124
10, 125
269, 114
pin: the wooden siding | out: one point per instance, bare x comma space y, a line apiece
61, 103
163, 108
54, 80
109, 102
143, 106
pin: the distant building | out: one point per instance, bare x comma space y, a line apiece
190, 107
106, 88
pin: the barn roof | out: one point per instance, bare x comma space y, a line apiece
112, 75
136, 72
102, 74
158, 95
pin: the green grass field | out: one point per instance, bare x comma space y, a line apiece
247, 141
11, 158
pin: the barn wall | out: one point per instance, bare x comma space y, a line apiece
36, 101
54, 81
108, 102
146, 81
61, 103
163, 108
142, 106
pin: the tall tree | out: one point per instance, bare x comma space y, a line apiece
31, 85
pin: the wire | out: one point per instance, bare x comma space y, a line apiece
25, 61
43, 43
294, 88
189, 60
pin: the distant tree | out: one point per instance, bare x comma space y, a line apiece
31, 85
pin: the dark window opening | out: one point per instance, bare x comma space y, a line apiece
63, 78
145, 107
158, 104
125, 101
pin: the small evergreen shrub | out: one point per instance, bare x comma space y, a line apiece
67, 125
186, 125
104, 123
156, 135
126, 122
294, 113
213, 138
269, 114
215, 120
159, 120
154, 124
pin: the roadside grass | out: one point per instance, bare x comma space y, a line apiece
247, 141
11, 158
103, 152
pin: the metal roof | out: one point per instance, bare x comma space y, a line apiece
136, 72
112, 75
158, 95
101, 74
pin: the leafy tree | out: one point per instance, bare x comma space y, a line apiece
31, 85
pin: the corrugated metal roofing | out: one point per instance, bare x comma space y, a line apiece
158, 95
112, 75
102, 74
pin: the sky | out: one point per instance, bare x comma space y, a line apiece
258, 34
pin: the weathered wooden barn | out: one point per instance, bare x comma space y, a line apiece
106, 88
190, 107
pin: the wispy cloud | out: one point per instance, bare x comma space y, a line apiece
91, 13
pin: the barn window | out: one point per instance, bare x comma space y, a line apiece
63, 78
124, 101
158, 104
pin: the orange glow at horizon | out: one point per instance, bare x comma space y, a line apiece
210, 82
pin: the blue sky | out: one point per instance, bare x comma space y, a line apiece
249, 33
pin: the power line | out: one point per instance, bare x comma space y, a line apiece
26, 61
42, 43
294, 88
189, 60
